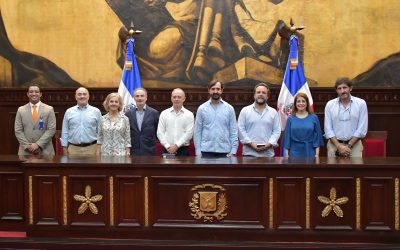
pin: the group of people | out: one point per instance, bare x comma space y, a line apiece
214, 130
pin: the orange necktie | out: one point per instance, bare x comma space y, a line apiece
34, 113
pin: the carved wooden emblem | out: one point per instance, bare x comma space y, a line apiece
208, 202
332, 203
88, 201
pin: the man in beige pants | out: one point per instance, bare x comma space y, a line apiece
80, 126
346, 121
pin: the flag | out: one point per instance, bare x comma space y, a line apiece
294, 81
130, 79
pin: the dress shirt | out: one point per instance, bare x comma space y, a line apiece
175, 127
344, 123
80, 125
139, 116
216, 128
37, 107
261, 128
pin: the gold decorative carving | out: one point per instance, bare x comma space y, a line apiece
308, 203
146, 201
208, 202
396, 204
88, 201
271, 203
332, 203
30, 201
111, 180
65, 211
358, 204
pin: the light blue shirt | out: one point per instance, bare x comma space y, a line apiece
261, 128
216, 128
140, 116
345, 122
80, 125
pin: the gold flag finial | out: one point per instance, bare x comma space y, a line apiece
294, 28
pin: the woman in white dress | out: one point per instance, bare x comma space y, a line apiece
114, 136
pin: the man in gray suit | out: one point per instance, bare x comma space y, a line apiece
35, 125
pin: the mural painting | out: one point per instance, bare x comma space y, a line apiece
188, 42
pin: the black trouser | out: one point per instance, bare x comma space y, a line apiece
182, 151
213, 154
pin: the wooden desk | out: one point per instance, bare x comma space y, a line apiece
237, 199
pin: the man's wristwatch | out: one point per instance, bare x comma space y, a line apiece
350, 145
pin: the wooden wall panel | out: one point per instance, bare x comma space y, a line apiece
290, 203
246, 201
128, 201
378, 202
98, 186
48, 197
12, 197
345, 187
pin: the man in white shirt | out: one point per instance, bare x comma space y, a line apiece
346, 121
175, 126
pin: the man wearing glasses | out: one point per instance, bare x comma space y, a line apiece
346, 121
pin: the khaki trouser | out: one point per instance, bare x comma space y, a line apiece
356, 151
89, 150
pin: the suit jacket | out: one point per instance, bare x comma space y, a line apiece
143, 141
28, 132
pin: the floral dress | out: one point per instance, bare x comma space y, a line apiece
114, 137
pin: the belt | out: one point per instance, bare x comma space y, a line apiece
83, 144
343, 142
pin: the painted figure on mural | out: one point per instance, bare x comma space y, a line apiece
193, 40
21, 69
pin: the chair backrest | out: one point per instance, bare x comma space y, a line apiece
57, 144
375, 144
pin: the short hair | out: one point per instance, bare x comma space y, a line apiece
81, 88
343, 80
108, 98
261, 84
308, 108
34, 85
213, 82
178, 89
145, 91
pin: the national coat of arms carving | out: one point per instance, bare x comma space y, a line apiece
208, 202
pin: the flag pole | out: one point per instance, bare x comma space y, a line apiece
294, 80
130, 79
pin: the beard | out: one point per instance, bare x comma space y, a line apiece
260, 101
215, 96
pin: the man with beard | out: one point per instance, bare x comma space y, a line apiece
259, 125
346, 121
216, 133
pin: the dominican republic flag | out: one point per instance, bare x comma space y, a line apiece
294, 81
130, 76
